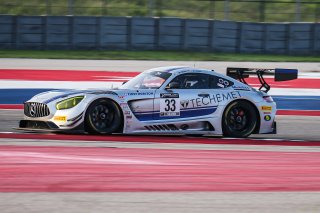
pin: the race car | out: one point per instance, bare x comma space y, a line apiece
164, 100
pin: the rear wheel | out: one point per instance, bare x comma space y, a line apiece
103, 117
239, 119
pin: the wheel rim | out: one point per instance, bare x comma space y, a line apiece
101, 117
238, 119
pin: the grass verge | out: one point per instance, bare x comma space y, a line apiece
152, 55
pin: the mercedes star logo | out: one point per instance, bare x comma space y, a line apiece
32, 110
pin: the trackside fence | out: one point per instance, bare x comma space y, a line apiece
144, 33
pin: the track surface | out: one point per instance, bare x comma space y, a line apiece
78, 169
221, 202
269, 173
289, 127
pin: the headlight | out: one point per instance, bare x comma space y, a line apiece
69, 103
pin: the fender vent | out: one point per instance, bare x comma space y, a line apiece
199, 126
169, 127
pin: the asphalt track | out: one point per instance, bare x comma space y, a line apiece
304, 128
80, 173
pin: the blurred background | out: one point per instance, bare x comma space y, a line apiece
243, 10
288, 27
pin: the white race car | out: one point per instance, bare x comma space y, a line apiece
165, 100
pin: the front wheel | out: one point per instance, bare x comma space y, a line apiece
103, 117
239, 119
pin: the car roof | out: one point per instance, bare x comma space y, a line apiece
174, 69
184, 69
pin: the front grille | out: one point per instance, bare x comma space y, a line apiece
36, 110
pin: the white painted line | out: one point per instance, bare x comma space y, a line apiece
75, 158
309, 75
12, 84
294, 92
271, 139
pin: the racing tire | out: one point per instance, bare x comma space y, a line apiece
103, 116
239, 119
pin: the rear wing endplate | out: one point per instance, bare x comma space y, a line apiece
279, 75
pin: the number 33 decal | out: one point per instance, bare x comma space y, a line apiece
170, 105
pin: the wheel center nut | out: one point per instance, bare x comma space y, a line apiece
238, 119
103, 116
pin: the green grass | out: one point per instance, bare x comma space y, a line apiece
151, 55
275, 11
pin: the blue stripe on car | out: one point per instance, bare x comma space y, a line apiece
184, 113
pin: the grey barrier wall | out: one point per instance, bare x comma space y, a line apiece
142, 33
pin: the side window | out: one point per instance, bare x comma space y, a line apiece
193, 81
218, 82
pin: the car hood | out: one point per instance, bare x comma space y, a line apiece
49, 96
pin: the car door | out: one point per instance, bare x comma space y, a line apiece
190, 97
141, 103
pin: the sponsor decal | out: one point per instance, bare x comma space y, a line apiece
169, 114
124, 106
222, 83
185, 104
60, 118
266, 108
241, 88
267, 118
127, 112
140, 93
210, 100
169, 95
129, 117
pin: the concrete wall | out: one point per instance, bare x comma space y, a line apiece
142, 33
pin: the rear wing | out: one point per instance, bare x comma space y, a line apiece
279, 75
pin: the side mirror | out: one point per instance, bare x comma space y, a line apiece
124, 82
173, 85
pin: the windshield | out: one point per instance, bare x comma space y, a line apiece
147, 80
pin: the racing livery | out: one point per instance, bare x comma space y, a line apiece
165, 100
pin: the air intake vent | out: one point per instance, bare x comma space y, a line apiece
169, 127
36, 110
